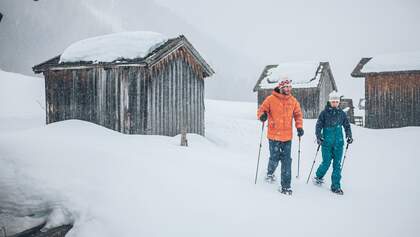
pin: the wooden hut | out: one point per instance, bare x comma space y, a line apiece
392, 90
158, 93
312, 82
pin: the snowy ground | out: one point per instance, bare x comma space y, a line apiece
110, 184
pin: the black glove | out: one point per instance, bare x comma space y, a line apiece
263, 117
319, 140
300, 132
349, 140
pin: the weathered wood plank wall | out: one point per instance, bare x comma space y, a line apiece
326, 87
392, 100
176, 100
348, 103
129, 99
307, 97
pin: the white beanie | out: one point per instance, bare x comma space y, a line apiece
334, 96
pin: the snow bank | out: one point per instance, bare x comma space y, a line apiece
393, 62
107, 48
21, 96
110, 184
22, 101
302, 74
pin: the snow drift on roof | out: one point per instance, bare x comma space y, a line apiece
393, 62
108, 48
302, 74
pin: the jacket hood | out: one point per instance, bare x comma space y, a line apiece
328, 107
281, 95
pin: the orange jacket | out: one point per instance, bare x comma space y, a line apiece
281, 109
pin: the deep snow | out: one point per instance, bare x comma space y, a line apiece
107, 48
110, 184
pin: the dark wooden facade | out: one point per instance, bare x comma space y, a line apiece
160, 94
392, 98
347, 105
312, 99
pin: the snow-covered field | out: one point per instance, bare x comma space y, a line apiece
110, 184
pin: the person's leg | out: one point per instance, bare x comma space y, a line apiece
336, 174
326, 161
274, 156
286, 164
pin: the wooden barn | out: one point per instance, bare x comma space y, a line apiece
157, 90
392, 90
312, 83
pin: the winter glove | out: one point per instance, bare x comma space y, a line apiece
349, 140
319, 140
300, 132
263, 117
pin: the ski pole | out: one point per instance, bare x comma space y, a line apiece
313, 163
345, 154
259, 152
297, 176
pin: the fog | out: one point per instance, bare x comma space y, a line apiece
237, 38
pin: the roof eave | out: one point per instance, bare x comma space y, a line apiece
179, 42
262, 76
357, 70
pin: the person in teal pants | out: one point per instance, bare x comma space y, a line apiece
329, 134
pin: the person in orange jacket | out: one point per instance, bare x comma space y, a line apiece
280, 108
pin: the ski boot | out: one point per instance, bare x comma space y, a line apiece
286, 191
318, 181
270, 178
338, 191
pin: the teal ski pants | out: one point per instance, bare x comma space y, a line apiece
331, 153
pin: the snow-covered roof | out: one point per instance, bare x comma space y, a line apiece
393, 62
111, 47
303, 74
408, 62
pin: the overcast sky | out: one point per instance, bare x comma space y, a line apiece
272, 31
237, 37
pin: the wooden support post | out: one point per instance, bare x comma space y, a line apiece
184, 141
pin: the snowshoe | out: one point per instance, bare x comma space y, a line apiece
286, 191
318, 181
338, 191
270, 178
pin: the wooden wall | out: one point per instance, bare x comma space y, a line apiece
326, 87
129, 99
307, 97
176, 100
348, 103
392, 100
98, 95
